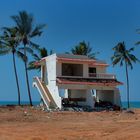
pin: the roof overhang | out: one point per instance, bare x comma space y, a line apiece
87, 81
91, 62
77, 60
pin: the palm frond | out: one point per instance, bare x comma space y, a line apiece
129, 63
24, 22
21, 56
137, 43
37, 31
29, 50
131, 49
121, 54
32, 66
36, 57
34, 45
121, 62
44, 52
116, 61
84, 48
4, 52
133, 58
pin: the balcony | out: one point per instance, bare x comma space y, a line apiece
92, 79
102, 76
93, 76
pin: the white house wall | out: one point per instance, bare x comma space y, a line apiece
89, 99
79, 86
55, 94
59, 69
51, 74
85, 70
51, 69
100, 69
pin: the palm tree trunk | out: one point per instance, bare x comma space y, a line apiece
16, 78
127, 80
27, 78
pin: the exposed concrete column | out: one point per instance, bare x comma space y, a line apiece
89, 99
117, 97
43, 73
59, 69
85, 70
63, 93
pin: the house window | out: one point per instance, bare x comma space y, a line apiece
92, 72
72, 69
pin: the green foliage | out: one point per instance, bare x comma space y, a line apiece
122, 55
37, 57
26, 29
9, 43
83, 48
24, 23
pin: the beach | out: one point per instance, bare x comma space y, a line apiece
32, 123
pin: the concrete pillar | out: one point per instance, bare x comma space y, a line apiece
89, 99
117, 97
85, 70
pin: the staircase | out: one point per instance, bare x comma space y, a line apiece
44, 93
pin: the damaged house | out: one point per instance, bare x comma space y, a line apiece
68, 79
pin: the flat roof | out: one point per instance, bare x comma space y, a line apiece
72, 56
75, 58
79, 58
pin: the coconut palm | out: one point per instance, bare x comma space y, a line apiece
124, 56
27, 31
42, 53
83, 48
8, 44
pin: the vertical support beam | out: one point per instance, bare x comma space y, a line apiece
43, 73
89, 98
117, 97
85, 70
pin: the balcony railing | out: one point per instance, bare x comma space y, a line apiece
94, 76
102, 76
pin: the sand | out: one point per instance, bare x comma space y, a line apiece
29, 123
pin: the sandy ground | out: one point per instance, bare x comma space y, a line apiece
28, 123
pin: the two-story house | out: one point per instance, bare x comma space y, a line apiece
76, 78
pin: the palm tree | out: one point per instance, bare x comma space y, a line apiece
42, 53
83, 48
124, 56
26, 31
8, 44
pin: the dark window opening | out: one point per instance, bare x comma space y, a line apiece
72, 69
92, 70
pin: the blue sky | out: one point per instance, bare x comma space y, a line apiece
102, 23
